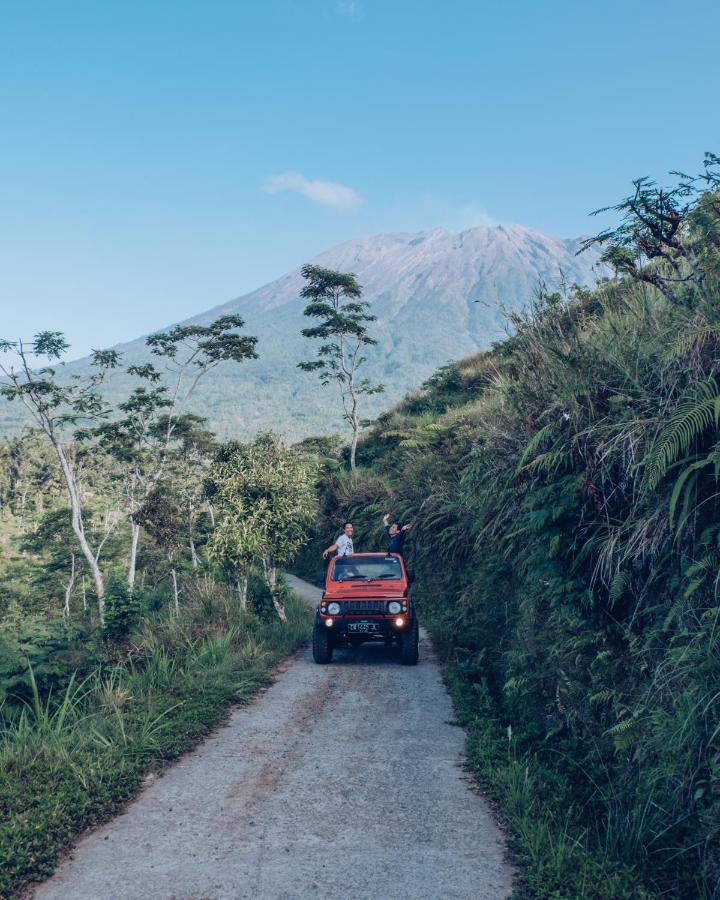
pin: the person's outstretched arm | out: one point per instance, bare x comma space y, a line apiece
331, 549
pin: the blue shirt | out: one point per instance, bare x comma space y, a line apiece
396, 541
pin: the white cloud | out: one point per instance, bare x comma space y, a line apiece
433, 211
349, 8
470, 216
326, 193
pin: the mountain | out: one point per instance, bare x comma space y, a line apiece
438, 296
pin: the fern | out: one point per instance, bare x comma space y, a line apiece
548, 462
693, 415
673, 613
532, 445
624, 732
692, 339
684, 485
602, 696
618, 586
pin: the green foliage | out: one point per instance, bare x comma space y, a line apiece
554, 853
50, 648
266, 497
144, 441
51, 402
163, 518
697, 411
204, 346
122, 611
564, 495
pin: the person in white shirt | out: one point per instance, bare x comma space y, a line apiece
343, 546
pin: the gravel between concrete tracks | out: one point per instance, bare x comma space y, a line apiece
340, 781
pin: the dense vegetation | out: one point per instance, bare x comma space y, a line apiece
133, 611
563, 489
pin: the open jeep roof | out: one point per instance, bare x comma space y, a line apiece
383, 555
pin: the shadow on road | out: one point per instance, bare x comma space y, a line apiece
369, 654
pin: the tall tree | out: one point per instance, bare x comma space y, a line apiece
266, 500
54, 404
152, 434
334, 299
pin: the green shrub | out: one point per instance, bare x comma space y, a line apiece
122, 608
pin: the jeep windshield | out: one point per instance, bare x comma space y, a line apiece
370, 568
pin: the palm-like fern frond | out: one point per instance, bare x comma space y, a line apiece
692, 339
548, 462
618, 586
532, 445
697, 411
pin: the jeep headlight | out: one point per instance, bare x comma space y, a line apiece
394, 607
333, 609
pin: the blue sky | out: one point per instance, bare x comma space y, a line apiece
158, 158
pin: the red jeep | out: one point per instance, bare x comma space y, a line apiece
366, 599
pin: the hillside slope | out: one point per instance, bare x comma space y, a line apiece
437, 296
562, 491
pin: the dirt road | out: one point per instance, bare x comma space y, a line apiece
340, 781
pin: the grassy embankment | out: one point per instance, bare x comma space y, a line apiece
563, 490
73, 759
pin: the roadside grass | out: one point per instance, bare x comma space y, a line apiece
72, 761
555, 856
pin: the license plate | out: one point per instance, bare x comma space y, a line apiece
364, 627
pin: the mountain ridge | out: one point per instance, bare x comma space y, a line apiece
438, 296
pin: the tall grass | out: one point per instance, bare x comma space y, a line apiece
70, 760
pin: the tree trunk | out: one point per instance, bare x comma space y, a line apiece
175, 592
355, 422
241, 579
79, 528
270, 570
353, 445
84, 595
212, 513
193, 552
133, 552
69, 587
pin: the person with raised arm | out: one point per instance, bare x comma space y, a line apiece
396, 534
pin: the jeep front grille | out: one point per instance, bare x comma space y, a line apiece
363, 607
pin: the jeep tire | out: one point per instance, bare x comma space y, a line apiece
409, 644
321, 644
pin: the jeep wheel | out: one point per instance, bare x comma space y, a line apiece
409, 645
321, 644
